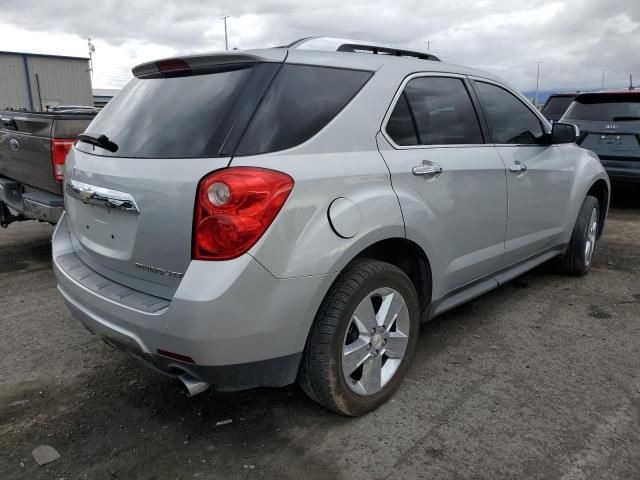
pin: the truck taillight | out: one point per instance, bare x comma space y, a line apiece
59, 149
234, 207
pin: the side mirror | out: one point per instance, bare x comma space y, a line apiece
564, 133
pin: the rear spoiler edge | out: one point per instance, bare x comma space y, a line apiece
196, 62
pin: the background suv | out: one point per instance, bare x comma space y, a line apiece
610, 126
247, 219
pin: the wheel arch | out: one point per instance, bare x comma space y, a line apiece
408, 257
403, 253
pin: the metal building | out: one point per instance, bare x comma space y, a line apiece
34, 82
101, 96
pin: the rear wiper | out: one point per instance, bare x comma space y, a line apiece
625, 119
101, 141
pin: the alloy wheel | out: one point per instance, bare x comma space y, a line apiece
592, 231
375, 341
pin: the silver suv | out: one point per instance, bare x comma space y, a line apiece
253, 218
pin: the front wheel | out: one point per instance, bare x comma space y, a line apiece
579, 255
362, 340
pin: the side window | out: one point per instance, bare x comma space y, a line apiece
509, 120
401, 127
441, 110
301, 100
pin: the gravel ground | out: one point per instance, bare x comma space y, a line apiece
538, 379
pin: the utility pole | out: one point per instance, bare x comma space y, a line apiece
603, 70
428, 42
92, 49
226, 39
537, 83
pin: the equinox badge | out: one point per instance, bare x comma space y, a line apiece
161, 271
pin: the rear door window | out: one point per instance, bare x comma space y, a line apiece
510, 120
440, 111
182, 116
301, 100
606, 107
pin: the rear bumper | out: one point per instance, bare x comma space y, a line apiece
621, 169
33, 205
241, 326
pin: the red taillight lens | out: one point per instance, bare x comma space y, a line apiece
234, 207
59, 150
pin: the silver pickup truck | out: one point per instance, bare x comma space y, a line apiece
33, 148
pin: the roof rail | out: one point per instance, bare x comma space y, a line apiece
357, 46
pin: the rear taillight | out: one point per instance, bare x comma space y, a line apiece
234, 207
59, 149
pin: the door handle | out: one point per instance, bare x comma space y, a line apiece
427, 168
518, 168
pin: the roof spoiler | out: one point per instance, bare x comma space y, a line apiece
196, 64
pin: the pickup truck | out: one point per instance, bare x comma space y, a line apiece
33, 149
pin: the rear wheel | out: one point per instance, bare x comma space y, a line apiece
578, 258
362, 340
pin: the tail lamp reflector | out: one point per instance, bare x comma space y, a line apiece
234, 207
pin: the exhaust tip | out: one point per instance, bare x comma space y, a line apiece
192, 386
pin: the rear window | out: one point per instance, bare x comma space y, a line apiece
186, 116
606, 107
557, 105
205, 115
300, 102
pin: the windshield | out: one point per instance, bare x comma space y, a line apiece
187, 116
605, 107
557, 105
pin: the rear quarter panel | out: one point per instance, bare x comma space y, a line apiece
342, 160
301, 241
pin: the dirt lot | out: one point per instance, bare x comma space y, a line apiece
538, 379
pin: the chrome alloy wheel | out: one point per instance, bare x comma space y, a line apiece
375, 341
592, 232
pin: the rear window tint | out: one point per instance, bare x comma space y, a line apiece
557, 105
607, 107
298, 104
186, 116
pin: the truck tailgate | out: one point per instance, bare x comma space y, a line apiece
25, 145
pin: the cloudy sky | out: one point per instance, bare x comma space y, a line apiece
576, 39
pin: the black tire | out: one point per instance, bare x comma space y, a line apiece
321, 374
575, 261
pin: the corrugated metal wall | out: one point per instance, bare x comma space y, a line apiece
60, 81
54, 81
13, 82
